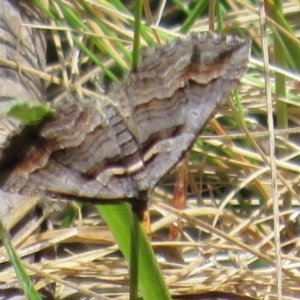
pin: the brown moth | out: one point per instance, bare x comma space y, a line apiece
115, 150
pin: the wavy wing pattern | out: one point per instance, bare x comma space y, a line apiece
120, 149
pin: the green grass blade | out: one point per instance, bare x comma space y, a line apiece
16, 262
151, 282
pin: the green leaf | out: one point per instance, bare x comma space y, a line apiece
29, 112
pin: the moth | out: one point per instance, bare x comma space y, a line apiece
104, 151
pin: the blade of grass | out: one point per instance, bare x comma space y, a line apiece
137, 32
134, 258
290, 46
280, 86
151, 282
134, 244
193, 16
16, 262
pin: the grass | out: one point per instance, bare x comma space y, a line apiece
226, 237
